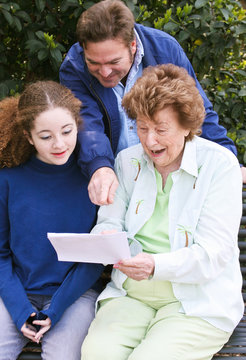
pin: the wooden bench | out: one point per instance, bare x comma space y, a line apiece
236, 346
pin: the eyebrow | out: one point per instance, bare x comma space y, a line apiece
108, 62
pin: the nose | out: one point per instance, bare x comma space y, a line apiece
151, 138
105, 71
58, 142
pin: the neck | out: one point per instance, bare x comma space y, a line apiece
166, 170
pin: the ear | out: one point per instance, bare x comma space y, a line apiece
133, 46
28, 137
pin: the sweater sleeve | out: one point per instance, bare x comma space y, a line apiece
95, 148
80, 278
12, 291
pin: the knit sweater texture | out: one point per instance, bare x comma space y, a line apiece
36, 198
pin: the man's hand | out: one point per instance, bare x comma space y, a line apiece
243, 169
139, 267
102, 186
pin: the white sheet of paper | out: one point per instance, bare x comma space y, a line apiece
96, 248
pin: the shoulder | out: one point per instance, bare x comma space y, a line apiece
127, 154
213, 152
10, 172
152, 35
129, 160
10, 177
74, 57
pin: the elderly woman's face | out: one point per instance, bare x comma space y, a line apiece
163, 139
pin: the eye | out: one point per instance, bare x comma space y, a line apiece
141, 128
66, 132
115, 62
45, 137
161, 131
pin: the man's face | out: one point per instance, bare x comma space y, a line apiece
110, 60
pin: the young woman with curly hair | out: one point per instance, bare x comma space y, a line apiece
42, 190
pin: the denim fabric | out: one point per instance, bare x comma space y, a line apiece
63, 341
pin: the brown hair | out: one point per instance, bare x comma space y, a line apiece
162, 86
17, 115
108, 19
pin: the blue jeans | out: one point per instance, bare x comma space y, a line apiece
63, 341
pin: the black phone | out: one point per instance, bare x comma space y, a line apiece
38, 316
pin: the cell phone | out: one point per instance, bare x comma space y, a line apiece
38, 316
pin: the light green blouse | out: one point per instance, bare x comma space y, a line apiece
154, 235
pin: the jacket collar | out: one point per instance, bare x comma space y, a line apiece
148, 58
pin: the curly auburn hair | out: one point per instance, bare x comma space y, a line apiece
162, 86
17, 115
106, 20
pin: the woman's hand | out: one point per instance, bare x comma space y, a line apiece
29, 331
139, 267
45, 326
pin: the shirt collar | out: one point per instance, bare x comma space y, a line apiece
139, 51
189, 160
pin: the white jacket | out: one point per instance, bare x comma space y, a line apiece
205, 202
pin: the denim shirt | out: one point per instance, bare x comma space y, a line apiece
128, 129
206, 204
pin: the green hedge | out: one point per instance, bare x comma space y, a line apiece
35, 35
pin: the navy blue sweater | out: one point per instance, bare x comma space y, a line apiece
36, 198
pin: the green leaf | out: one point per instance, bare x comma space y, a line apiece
17, 23
200, 3
240, 29
5, 7
40, 34
236, 111
3, 91
195, 17
241, 72
8, 17
183, 35
51, 21
24, 16
40, 4
43, 54
130, 4
219, 25
56, 55
61, 47
34, 45
242, 92
65, 4
170, 27
225, 13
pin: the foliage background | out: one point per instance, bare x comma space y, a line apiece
35, 35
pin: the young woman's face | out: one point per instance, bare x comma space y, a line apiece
54, 136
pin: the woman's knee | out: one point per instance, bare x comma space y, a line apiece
104, 349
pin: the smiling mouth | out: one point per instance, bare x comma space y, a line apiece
157, 152
59, 154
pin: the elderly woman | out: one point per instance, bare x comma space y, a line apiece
179, 296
